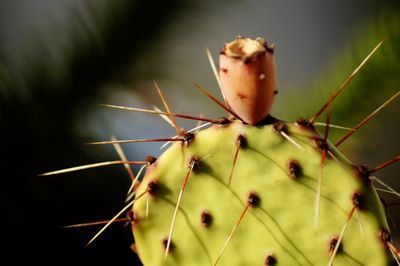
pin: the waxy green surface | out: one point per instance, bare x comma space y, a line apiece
282, 225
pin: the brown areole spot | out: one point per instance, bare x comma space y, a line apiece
358, 200
150, 159
363, 173
332, 245
304, 122
131, 216
242, 141
294, 169
152, 187
188, 137
270, 260
206, 219
253, 200
165, 243
279, 127
385, 236
194, 164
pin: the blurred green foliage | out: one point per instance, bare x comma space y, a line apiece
58, 82
376, 82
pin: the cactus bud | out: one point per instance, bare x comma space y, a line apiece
247, 78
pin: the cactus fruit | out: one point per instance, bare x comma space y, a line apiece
255, 190
247, 78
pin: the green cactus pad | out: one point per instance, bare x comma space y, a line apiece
280, 228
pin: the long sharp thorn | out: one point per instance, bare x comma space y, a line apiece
134, 141
328, 122
385, 164
166, 118
333, 97
322, 165
213, 67
318, 199
215, 71
233, 164
291, 140
360, 225
195, 129
395, 251
94, 223
365, 120
199, 122
164, 100
88, 166
171, 230
395, 256
116, 216
127, 166
385, 190
204, 91
122, 156
199, 125
133, 109
332, 126
334, 157
132, 187
168, 142
374, 178
332, 257
232, 232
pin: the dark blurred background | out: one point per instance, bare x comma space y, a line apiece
60, 59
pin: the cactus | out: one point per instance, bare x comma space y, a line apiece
252, 189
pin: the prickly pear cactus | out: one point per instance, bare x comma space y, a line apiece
257, 191
252, 189
278, 181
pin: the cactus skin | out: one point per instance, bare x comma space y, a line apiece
279, 229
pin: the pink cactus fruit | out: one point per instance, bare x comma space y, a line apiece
248, 78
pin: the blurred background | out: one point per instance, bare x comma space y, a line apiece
60, 59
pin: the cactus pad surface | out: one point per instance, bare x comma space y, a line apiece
273, 188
